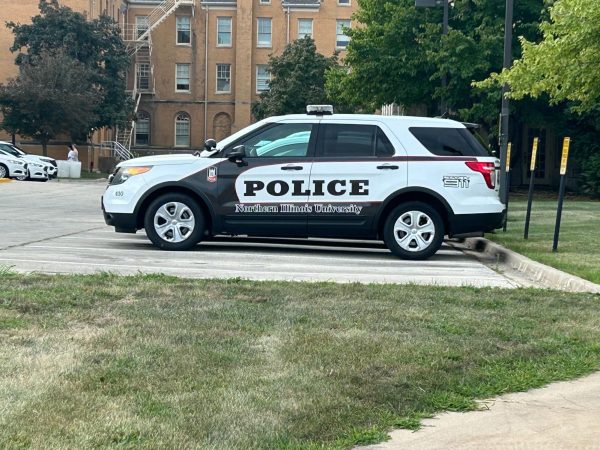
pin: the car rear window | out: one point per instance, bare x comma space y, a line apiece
449, 141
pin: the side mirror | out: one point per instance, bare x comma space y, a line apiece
209, 144
237, 154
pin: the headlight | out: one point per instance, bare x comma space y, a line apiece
124, 173
18, 163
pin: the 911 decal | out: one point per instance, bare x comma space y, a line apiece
290, 208
456, 181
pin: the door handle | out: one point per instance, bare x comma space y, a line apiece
387, 167
292, 168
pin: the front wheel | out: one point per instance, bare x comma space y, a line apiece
3, 171
174, 222
414, 230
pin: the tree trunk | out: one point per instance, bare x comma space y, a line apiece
45, 147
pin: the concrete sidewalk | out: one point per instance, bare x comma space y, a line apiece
563, 415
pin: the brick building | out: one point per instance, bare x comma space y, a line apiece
199, 65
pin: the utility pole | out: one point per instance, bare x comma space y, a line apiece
505, 112
444, 104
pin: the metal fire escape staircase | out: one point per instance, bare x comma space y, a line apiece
139, 46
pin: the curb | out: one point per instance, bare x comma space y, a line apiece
5, 180
539, 272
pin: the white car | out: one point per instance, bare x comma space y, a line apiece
408, 181
36, 169
12, 167
50, 163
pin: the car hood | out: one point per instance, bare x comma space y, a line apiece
159, 160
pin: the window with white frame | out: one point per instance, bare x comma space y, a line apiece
344, 2
265, 2
142, 76
142, 128
182, 82
182, 130
184, 30
305, 28
341, 40
141, 25
264, 32
262, 77
224, 31
223, 77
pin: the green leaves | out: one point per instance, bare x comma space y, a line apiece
565, 63
297, 79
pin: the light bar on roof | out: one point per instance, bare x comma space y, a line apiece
319, 109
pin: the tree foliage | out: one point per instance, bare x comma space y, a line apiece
297, 79
53, 95
398, 54
96, 44
565, 64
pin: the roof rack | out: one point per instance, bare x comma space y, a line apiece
319, 110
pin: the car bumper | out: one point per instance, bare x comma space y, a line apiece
475, 223
123, 223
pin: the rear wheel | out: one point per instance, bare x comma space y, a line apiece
414, 230
174, 222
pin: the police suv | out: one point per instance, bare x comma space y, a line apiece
408, 181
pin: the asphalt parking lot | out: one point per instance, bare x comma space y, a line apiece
57, 227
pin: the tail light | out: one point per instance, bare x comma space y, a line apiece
486, 169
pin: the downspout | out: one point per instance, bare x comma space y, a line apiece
288, 25
206, 76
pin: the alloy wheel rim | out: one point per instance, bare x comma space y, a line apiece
414, 231
174, 222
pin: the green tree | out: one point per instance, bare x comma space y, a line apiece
565, 63
398, 54
96, 44
52, 95
297, 79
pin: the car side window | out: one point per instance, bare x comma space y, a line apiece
354, 141
9, 150
279, 141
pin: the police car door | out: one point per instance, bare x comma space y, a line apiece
354, 170
266, 191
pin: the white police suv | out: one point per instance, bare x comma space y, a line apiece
408, 181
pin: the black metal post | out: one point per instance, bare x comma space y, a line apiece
505, 112
561, 197
444, 102
561, 191
531, 182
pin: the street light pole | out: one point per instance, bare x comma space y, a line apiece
505, 112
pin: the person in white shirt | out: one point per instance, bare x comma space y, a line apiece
73, 153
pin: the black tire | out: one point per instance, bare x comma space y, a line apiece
427, 235
23, 178
4, 171
168, 201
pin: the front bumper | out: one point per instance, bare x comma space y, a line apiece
123, 223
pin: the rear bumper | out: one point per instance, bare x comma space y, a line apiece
475, 223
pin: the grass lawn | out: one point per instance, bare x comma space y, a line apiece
579, 242
159, 362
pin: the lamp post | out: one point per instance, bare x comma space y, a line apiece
505, 112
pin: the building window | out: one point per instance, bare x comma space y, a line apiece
262, 78
264, 32
183, 77
184, 30
223, 31
142, 76
265, 2
341, 40
142, 128
223, 77
344, 2
305, 28
182, 130
141, 25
